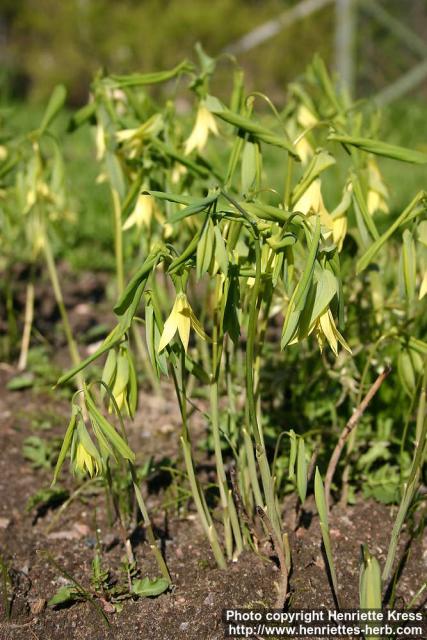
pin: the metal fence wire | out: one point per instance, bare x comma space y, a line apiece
379, 48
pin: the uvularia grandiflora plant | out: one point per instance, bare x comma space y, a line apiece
225, 249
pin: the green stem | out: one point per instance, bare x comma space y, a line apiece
28, 323
145, 363
227, 502
267, 480
118, 240
201, 507
288, 183
411, 486
148, 527
53, 275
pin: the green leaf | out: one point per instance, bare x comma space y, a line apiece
112, 340
408, 264
318, 300
66, 444
220, 251
115, 174
319, 495
188, 252
207, 63
266, 211
83, 115
321, 161
195, 167
85, 439
23, 381
64, 595
196, 207
415, 208
55, 104
381, 148
146, 587
320, 499
361, 204
422, 232
205, 249
301, 291
132, 390
144, 79
231, 323
109, 431
325, 82
292, 454
133, 288
307, 275
122, 374
250, 126
370, 582
51, 497
152, 336
301, 471
287, 240
109, 370
249, 165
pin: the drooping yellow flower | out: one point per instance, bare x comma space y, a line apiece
135, 137
311, 202
377, 191
142, 213
423, 287
126, 134
205, 123
84, 461
305, 117
100, 141
178, 172
326, 329
304, 149
335, 224
339, 231
339, 218
181, 319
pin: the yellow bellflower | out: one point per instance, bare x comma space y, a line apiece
423, 287
205, 124
84, 461
142, 213
377, 191
181, 319
305, 120
100, 141
325, 328
311, 202
136, 136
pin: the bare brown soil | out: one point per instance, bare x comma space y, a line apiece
192, 609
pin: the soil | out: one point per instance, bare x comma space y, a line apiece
193, 608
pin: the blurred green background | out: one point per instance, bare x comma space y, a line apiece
44, 42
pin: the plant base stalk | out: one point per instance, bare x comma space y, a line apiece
28, 324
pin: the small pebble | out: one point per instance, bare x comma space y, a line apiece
37, 606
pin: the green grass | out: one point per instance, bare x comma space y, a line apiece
89, 243
86, 240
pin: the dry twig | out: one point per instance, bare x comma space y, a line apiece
351, 424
